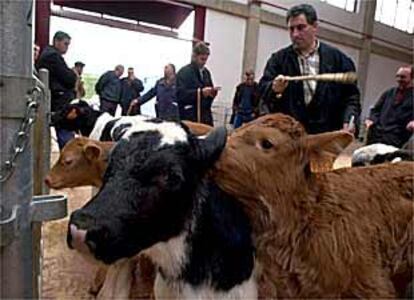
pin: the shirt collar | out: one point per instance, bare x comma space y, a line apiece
314, 50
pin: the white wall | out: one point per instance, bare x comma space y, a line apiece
271, 39
225, 33
381, 76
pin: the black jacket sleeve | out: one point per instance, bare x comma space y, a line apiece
101, 82
63, 74
376, 109
268, 97
137, 85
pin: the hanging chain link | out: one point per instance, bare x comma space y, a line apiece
22, 136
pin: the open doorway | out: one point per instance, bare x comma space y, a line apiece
102, 47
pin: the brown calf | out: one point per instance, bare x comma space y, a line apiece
345, 233
82, 162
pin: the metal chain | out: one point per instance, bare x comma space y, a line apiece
22, 136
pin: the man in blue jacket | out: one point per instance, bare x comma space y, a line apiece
62, 79
193, 82
108, 88
319, 106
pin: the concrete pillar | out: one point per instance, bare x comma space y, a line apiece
368, 8
16, 45
251, 39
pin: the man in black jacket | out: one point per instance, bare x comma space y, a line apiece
62, 79
108, 88
194, 81
245, 101
391, 120
319, 106
131, 88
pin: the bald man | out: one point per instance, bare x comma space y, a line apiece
391, 119
108, 88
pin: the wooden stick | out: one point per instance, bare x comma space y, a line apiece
349, 77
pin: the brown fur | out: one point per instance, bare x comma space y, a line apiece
345, 233
75, 167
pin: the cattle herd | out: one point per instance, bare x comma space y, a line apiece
204, 214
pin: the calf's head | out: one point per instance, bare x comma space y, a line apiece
147, 191
76, 116
270, 159
82, 162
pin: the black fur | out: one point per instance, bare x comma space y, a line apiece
405, 155
83, 123
152, 194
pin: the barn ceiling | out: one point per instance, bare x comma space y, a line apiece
160, 12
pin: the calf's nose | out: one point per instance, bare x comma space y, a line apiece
48, 181
76, 236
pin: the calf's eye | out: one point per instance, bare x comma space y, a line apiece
266, 144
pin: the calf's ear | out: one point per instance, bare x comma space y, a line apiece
92, 151
207, 150
324, 148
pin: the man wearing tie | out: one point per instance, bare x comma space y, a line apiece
195, 90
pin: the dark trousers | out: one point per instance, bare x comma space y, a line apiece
63, 136
108, 106
240, 119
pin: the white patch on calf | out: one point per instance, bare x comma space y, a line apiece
171, 132
367, 153
169, 255
395, 160
181, 290
100, 125
75, 101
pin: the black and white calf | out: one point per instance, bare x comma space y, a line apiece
381, 153
80, 117
156, 198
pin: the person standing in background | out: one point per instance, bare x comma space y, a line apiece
166, 106
131, 88
195, 89
62, 79
79, 87
108, 88
246, 100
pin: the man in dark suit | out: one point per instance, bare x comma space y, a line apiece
62, 79
194, 82
319, 106
391, 119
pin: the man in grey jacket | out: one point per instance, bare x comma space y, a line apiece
108, 88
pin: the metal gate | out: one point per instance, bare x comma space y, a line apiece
23, 101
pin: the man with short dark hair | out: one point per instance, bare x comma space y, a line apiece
195, 90
319, 106
131, 88
108, 88
391, 120
62, 79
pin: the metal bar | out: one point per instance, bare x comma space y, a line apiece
41, 165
